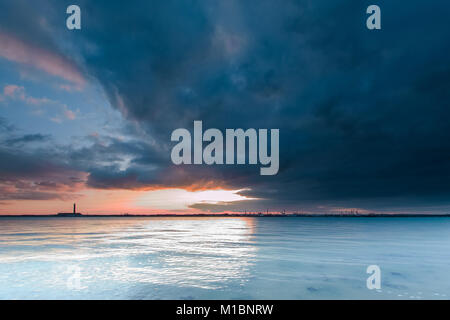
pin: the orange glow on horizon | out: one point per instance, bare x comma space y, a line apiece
95, 201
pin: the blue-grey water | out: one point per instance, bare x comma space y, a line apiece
223, 258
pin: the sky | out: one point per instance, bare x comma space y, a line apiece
86, 115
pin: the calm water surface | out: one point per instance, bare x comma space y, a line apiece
223, 258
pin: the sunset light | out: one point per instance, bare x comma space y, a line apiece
224, 159
179, 199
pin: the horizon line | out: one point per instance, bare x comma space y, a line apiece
344, 215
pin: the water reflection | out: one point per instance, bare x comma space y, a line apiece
205, 253
223, 258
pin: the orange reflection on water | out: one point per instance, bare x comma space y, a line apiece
203, 252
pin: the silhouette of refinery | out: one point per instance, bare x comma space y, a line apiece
267, 213
70, 214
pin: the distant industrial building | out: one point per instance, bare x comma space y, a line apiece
70, 214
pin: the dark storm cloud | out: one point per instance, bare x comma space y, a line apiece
38, 175
27, 138
31, 168
363, 115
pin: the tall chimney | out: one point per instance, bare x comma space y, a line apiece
74, 208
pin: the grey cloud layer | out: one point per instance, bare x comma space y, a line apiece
363, 116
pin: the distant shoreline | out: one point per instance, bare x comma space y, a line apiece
230, 215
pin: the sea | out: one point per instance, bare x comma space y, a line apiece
225, 258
